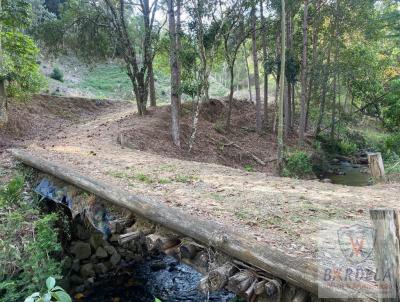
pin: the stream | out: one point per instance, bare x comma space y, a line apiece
346, 173
161, 277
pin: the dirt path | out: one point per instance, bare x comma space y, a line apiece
281, 212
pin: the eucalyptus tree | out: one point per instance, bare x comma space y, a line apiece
234, 34
304, 70
207, 25
254, 49
119, 15
175, 78
282, 89
266, 65
3, 95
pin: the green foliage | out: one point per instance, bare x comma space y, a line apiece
391, 111
298, 165
19, 50
57, 74
347, 147
74, 25
53, 294
249, 168
28, 245
392, 144
11, 193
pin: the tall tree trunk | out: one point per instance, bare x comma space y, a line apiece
175, 131
256, 73
293, 109
3, 95
152, 88
304, 68
312, 72
277, 79
179, 47
324, 87
332, 135
248, 73
265, 60
287, 107
288, 90
231, 88
282, 89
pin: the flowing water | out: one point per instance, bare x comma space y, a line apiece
162, 277
348, 174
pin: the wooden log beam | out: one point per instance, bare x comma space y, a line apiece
159, 242
387, 252
301, 273
218, 277
241, 282
189, 248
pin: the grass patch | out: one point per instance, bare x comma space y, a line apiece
249, 168
144, 178
163, 181
108, 81
29, 244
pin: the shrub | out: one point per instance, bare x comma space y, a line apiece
28, 245
53, 293
347, 147
57, 74
298, 165
392, 144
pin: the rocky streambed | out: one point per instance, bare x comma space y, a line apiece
102, 269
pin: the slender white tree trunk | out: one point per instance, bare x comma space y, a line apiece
256, 73
282, 88
3, 95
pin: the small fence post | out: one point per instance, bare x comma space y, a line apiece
387, 253
376, 166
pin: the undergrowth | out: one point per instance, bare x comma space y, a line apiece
28, 244
298, 164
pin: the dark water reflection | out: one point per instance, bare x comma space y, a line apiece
142, 283
351, 175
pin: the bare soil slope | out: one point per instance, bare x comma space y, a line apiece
238, 148
45, 117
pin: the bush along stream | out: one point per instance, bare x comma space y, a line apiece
41, 242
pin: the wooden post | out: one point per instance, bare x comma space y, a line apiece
387, 252
376, 166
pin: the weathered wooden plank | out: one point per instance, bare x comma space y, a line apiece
387, 252
299, 272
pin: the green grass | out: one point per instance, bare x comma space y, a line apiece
249, 168
107, 81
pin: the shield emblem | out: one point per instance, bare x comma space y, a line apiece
356, 242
